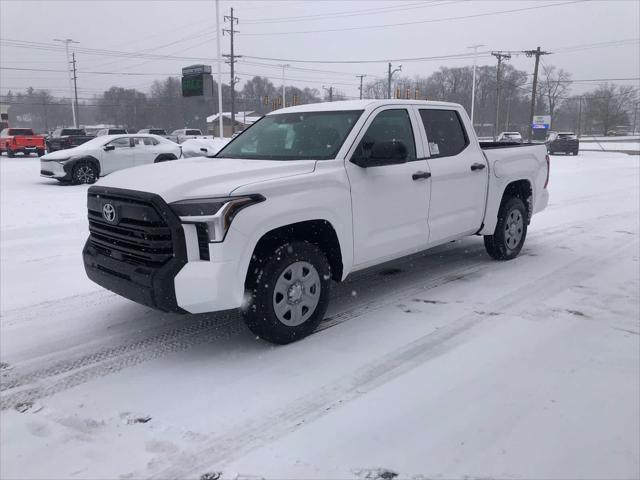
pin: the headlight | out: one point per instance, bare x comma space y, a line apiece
58, 160
216, 213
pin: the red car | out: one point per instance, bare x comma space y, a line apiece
21, 140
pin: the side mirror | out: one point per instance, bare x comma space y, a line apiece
108, 148
384, 153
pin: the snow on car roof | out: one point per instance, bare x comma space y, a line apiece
356, 105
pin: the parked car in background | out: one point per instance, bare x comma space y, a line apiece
305, 195
63, 138
510, 137
565, 142
154, 131
106, 154
111, 131
183, 134
21, 140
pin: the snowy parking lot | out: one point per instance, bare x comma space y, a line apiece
446, 364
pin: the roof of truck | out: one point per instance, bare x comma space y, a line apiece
357, 105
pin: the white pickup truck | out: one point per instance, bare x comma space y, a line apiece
307, 195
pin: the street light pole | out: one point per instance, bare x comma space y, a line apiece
66, 42
473, 86
284, 103
219, 57
390, 74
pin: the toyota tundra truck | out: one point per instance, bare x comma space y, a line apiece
306, 196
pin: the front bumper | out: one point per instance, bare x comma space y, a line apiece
185, 283
51, 169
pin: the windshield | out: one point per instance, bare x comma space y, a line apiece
72, 131
294, 136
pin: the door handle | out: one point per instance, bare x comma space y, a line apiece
420, 175
477, 166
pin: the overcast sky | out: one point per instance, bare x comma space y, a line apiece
272, 29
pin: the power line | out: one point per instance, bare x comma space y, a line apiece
350, 13
419, 22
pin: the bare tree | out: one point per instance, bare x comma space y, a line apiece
610, 105
554, 85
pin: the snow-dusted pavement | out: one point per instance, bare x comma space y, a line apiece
445, 365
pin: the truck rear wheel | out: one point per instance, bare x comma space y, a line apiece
289, 292
511, 230
10, 153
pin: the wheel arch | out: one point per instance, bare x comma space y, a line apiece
522, 189
85, 159
319, 232
164, 157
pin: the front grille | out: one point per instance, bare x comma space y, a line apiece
139, 235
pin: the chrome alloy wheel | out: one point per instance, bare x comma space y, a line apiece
296, 294
513, 229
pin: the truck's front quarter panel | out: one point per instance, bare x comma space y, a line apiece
219, 282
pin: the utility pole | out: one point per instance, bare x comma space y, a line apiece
330, 90
473, 85
66, 42
500, 56
76, 117
390, 74
537, 53
579, 129
219, 62
286, 65
360, 77
232, 60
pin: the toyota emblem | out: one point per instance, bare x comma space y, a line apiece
109, 212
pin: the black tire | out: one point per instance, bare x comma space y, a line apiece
264, 284
575, 152
10, 153
40, 152
84, 172
511, 230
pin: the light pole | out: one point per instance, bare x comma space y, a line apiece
390, 74
473, 85
286, 65
219, 62
66, 42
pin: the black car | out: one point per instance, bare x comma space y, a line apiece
565, 142
63, 138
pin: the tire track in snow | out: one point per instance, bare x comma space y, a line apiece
38, 382
256, 432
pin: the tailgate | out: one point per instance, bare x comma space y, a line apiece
29, 141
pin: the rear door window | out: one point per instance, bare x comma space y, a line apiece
445, 133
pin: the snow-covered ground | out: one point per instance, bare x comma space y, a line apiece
441, 365
631, 146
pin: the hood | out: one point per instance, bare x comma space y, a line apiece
201, 177
64, 154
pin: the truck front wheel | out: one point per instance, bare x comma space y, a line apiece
288, 292
511, 231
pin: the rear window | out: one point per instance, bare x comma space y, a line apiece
156, 131
20, 131
566, 135
193, 132
445, 133
72, 131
